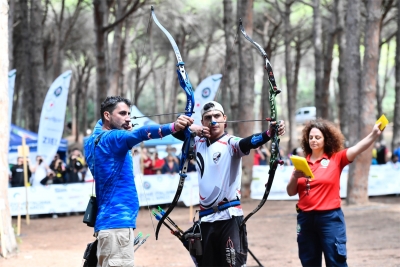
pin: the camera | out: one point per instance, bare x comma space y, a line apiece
78, 165
40, 161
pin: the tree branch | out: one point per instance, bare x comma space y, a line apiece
305, 3
135, 7
75, 17
55, 14
45, 12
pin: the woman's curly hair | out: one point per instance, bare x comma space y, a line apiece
333, 137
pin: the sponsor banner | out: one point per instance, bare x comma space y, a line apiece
156, 189
204, 93
278, 189
50, 199
51, 124
382, 180
161, 189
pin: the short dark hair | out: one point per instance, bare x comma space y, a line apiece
110, 103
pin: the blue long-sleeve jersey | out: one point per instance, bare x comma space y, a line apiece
111, 165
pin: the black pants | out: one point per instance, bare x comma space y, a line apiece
224, 243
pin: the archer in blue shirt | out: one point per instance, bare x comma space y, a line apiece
110, 162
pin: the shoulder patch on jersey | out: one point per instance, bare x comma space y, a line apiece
216, 157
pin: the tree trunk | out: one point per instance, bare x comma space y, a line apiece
295, 83
19, 56
38, 84
291, 98
123, 59
57, 51
136, 85
328, 56
317, 44
203, 67
380, 94
77, 101
396, 116
27, 96
101, 67
114, 75
341, 68
158, 98
265, 105
11, 10
85, 100
224, 94
246, 89
359, 170
8, 239
367, 98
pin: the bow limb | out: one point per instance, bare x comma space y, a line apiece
273, 92
267, 64
188, 145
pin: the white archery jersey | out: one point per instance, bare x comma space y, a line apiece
219, 168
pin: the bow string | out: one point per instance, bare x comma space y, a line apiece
188, 146
275, 159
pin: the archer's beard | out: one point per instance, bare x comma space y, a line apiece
116, 126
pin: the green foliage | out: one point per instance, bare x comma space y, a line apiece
202, 5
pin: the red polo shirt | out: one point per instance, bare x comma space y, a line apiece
324, 193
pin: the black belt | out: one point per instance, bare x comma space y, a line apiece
221, 207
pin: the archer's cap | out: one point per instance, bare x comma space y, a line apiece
210, 106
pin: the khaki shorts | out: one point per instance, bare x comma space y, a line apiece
115, 247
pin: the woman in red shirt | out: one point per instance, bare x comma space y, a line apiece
320, 222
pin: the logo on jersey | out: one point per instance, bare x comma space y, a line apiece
216, 157
325, 163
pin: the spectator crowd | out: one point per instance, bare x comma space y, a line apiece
58, 172
153, 164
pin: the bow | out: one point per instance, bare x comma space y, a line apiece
273, 92
188, 145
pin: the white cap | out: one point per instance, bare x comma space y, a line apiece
212, 105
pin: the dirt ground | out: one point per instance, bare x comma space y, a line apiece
373, 232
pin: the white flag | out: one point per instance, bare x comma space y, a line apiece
51, 124
204, 93
11, 84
